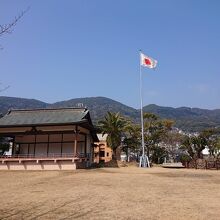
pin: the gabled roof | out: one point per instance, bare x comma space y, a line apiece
45, 117
33, 117
102, 137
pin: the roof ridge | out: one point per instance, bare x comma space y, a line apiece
47, 109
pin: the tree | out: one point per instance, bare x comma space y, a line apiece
155, 130
172, 142
8, 29
214, 147
187, 146
3, 88
113, 125
203, 140
213, 141
199, 143
194, 145
132, 141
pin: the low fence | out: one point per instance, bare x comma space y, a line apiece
203, 164
50, 155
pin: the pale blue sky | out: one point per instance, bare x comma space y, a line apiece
77, 48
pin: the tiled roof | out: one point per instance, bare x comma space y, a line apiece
44, 117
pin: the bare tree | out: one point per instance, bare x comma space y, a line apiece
3, 88
8, 29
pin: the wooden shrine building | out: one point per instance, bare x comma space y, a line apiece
48, 139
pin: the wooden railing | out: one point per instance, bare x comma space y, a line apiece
203, 164
50, 155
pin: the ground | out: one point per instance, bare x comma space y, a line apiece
111, 193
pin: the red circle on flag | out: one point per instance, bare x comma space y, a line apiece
147, 61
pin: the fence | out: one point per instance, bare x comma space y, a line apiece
203, 164
50, 155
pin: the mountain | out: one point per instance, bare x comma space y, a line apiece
7, 103
99, 106
189, 119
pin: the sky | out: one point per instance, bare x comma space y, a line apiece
61, 50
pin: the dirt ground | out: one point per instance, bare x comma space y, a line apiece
110, 193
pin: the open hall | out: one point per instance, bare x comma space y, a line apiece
48, 139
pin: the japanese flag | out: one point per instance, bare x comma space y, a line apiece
147, 61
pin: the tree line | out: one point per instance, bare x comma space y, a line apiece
162, 141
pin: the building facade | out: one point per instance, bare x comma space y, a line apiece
102, 153
48, 139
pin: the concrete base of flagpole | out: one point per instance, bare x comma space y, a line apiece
144, 162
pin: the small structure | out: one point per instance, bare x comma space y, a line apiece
173, 165
102, 152
48, 139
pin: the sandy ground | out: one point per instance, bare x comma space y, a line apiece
110, 193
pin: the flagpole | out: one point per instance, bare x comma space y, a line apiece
144, 162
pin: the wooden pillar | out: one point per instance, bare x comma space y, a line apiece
19, 148
35, 137
28, 149
48, 140
13, 146
85, 151
75, 141
61, 150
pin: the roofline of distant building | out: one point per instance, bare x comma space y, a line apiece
44, 124
48, 109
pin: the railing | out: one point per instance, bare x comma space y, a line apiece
50, 155
203, 164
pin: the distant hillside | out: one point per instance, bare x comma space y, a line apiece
7, 103
99, 106
190, 119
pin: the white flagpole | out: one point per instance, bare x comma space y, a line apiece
144, 162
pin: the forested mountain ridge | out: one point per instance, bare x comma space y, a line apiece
189, 119
7, 103
99, 106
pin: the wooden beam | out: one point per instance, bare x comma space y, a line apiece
75, 141
28, 148
61, 145
38, 132
51, 142
13, 146
85, 145
48, 141
35, 137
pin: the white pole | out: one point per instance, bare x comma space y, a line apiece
142, 120
144, 159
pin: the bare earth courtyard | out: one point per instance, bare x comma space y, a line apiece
110, 193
